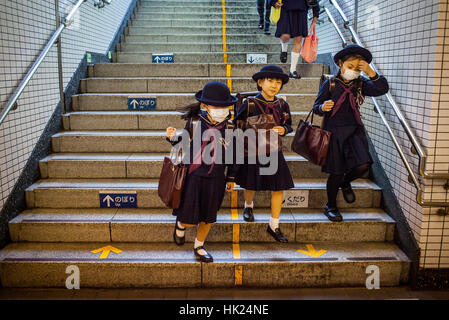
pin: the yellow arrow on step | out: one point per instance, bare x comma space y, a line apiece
311, 251
106, 250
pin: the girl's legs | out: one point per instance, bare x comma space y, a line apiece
297, 43
333, 184
353, 174
201, 234
285, 38
356, 173
249, 205
276, 205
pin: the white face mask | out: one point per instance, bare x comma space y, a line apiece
218, 114
350, 74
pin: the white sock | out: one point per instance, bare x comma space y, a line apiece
180, 233
199, 244
249, 206
295, 58
274, 223
284, 46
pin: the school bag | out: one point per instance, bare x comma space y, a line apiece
262, 121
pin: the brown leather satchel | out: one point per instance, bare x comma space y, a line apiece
171, 182
173, 175
262, 121
311, 141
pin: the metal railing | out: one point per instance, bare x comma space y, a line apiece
12, 102
416, 146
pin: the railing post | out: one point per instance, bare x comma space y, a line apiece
59, 49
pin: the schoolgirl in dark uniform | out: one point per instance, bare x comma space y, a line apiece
205, 184
348, 156
293, 24
269, 80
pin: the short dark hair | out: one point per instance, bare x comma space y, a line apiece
260, 89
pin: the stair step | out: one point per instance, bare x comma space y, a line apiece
150, 3
121, 70
139, 120
176, 30
122, 141
179, 84
203, 39
84, 193
149, 225
136, 166
179, 47
168, 101
166, 265
197, 57
198, 16
190, 9
158, 21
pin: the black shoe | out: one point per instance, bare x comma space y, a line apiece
332, 214
277, 235
283, 57
261, 24
203, 258
179, 240
294, 75
348, 193
248, 215
267, 32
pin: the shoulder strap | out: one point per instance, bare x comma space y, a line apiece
193, 124
331, 84
251, 105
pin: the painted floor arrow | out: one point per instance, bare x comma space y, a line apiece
311, 251
106, 250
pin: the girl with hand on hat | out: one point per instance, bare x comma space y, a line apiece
269, 80
339, 100
293, 24
205, 184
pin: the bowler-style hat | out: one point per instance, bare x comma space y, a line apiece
271, 71
216, 93
353, 49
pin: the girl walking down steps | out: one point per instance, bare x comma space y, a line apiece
205, 184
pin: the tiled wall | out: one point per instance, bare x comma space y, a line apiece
25, 27
406, 38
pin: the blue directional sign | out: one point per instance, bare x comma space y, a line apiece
141, 103
118, 200
163, 58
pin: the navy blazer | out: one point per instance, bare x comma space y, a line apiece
219, 168
297, 5
242, 113
373, 87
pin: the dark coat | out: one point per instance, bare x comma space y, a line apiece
218, 168
248, 176
348, 145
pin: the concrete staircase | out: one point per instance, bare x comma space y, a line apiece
106, 147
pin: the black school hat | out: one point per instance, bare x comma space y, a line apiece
216, 93
271, 71
353, 49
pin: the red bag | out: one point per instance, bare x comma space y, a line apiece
310, 47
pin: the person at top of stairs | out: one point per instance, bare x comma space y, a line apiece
293, 24
264, 20
270, 80
205, 184
339, 100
